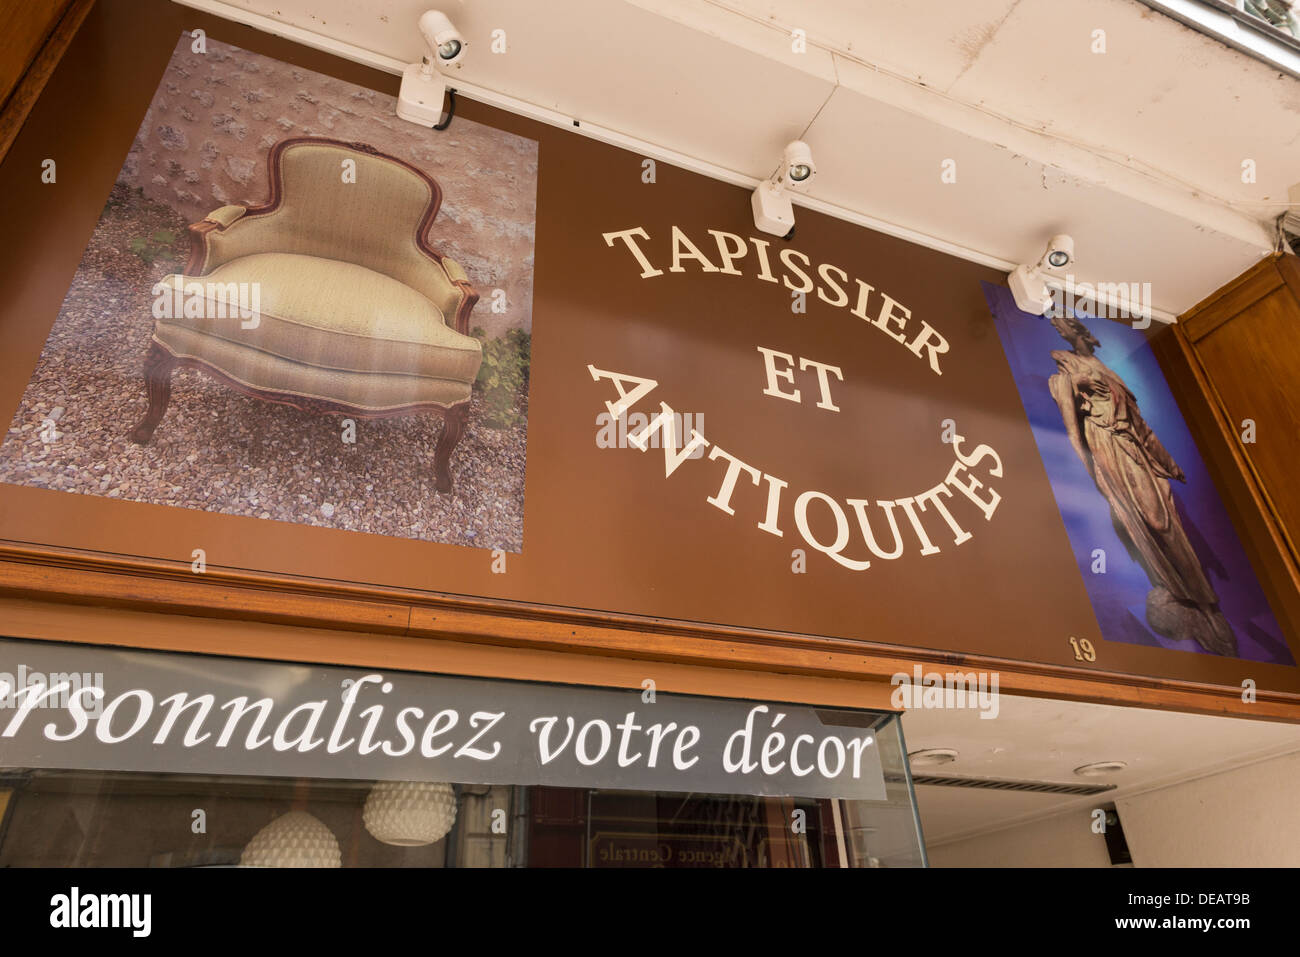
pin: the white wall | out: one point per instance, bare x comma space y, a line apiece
1246, 817
1242, 818
1066, 840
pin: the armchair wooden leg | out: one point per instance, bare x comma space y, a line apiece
158, 367
453, 428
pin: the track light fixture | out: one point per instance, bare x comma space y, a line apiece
773, 211
420, 98
1029, 284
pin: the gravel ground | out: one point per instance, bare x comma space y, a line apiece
222, 452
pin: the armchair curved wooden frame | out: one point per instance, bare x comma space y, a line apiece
160, 363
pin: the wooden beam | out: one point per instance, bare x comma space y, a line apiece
366, 626
32, 80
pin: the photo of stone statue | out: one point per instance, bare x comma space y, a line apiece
1158, 551
1132, 471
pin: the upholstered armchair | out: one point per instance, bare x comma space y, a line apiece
355, 313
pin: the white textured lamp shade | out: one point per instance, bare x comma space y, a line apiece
296, 839
409, 813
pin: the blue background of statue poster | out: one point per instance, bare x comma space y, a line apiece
1119, 596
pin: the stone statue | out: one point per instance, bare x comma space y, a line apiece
1132, 470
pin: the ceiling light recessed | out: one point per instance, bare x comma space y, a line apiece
1100, 769
932, 757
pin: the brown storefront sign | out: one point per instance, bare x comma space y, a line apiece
864, 490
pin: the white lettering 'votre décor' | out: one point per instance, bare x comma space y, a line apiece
477, 737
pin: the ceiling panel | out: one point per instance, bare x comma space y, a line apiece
1008, 205
933, 42
1034, 739
1180, 101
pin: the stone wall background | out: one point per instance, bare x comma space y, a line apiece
204, 141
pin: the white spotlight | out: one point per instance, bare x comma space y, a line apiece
1060, 253
1029, 283
773, 211
444, 39
420, 98
797, 164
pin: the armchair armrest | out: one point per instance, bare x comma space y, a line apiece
464, 294
202, 255
454, 271
225, 216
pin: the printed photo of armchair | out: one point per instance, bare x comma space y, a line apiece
355, 313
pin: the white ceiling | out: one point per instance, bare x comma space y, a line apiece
1033, 739
1137, 152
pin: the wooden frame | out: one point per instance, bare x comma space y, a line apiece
165, 606
160, 363
1262, 279
60, 23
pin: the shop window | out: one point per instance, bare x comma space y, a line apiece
78, 819
116, 758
